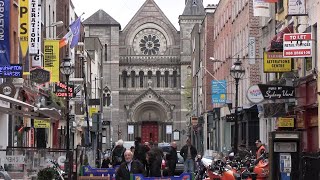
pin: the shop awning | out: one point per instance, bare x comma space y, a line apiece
33, 112
276, 44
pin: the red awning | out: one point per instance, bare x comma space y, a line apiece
276, 43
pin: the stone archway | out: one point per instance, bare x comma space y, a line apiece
150, 116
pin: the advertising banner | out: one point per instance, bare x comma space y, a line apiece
61, 88
297, 45
296, 7
24, 26
261, 8
271, 92
11, 71
4, 33
252, 50
218, 91
41, 123
36, 57
51, 58
274, 62
34, 29
285, 122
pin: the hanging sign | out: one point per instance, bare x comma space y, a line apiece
276, 92
40, 76
11, 71
274, 62
41, 123
5, 33
8, 89
254, 94
297, 45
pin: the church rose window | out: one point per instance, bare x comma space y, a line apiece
150, 45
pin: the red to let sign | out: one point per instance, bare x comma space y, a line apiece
297, 45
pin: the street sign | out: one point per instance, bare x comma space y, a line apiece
230, 117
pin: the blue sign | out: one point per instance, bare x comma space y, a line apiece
4, 33
11, 71
219, 91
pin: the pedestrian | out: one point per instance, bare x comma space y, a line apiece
188, 152
128, 167
261, 149
154, 164
140, 151
118, 153
172, 158
106, 163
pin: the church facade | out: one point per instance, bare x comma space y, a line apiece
145, 68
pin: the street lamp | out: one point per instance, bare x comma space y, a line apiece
67, 68
237, 72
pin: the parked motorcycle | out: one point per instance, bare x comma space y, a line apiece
60, 174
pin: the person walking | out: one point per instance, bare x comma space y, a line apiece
261, 149
154, 164
140, 151
172, 158
118, 153
128, 167
188, 152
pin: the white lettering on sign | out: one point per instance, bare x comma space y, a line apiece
13, 160
297, 45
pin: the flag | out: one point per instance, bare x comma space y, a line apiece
75, 28
65, 40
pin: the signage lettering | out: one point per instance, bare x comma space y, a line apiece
40, 76
61, 89
297, 45
4, 33
11, 71
276, 92
275, 62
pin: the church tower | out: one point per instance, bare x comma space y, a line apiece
193, 13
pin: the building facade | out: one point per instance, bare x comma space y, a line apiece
145, 65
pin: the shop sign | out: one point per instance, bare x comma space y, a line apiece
285, 122
218, 91
61, 88
254, 94
8, 89
274, 62
41, 123
11, 71
271, 92
40, 76
296, 8
297, 45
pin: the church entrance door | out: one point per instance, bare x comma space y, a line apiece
149, 132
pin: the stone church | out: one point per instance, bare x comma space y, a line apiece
145, 66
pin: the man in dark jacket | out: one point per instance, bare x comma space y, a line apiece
140, 151
188, 152
172, 158
154, 164
128, 167
118, 154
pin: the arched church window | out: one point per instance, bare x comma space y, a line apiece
175, 78
124, 79
149, 74
133, 78
141, 74
166, 79
158, 74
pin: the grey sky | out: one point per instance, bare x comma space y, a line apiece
124, 10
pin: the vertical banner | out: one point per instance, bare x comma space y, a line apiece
33, 27
261, 8
36, 58
252, 50
24, 26
4, 33
51, 58
219, 91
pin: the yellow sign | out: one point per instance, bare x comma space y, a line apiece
274, 62
92, 110
24, 26
285, 122
51, 59
41, 123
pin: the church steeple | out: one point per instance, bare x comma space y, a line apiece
193, 7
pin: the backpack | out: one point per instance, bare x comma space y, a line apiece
118, 155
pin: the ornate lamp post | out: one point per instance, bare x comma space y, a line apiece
237, 72
67, 68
